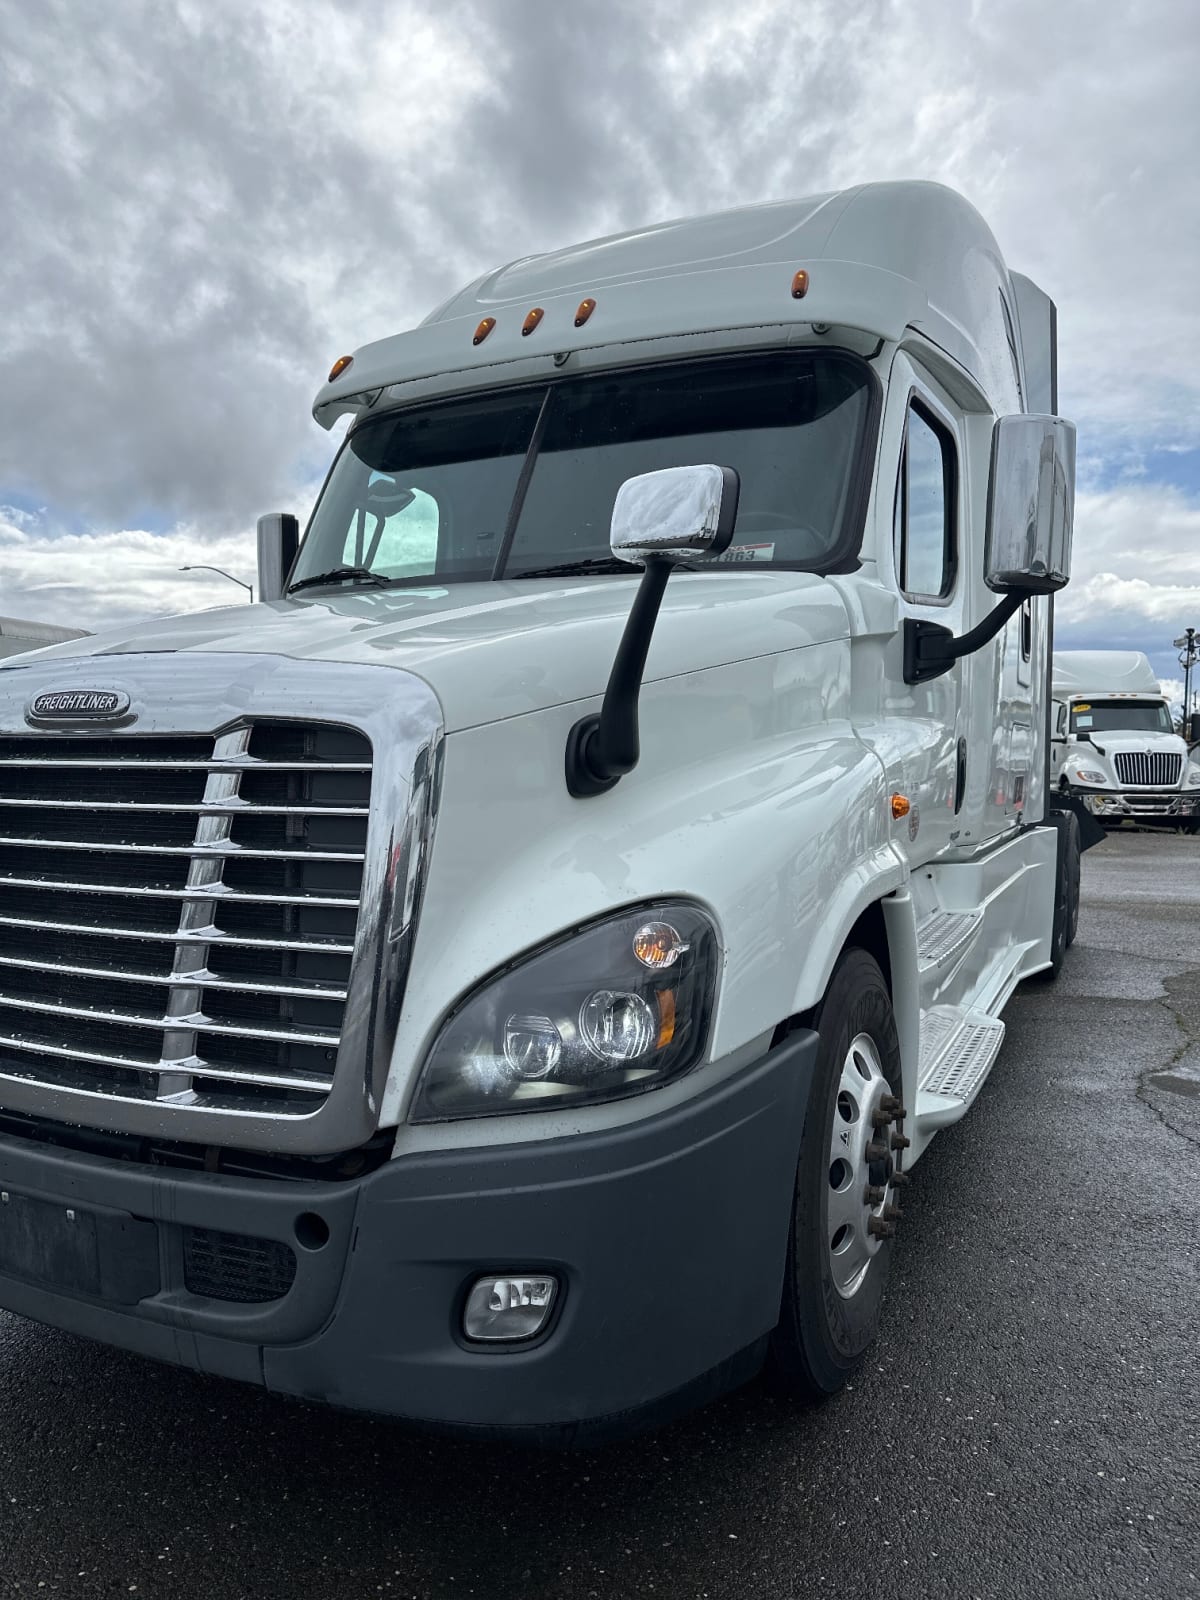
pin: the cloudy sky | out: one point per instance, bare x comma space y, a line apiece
207, 200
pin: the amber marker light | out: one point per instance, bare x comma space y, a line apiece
800, 285
657, 945
531, 321
900, 806
586, 307
339, 366
666, 1018
484, 328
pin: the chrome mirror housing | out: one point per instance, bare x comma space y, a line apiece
278, 541
676, 514
1031, 502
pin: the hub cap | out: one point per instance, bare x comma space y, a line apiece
861, 1166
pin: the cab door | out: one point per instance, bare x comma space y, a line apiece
931, 769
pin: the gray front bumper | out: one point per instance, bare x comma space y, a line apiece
669, 1237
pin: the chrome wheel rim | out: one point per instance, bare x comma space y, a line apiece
849, 1240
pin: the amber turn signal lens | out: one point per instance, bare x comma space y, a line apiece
900, 806
339, 366
800, 285
484, 328
586, 307
531, 321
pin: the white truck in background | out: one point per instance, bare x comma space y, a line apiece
502, 978
1114, 743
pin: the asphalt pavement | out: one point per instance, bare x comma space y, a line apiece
1029, 1424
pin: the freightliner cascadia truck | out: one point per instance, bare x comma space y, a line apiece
1113, 741
504, 978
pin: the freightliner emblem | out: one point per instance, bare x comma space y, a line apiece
68, 705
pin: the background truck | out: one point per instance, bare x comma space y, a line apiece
1115, 745
503, 979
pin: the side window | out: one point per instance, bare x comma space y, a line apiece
926, 538
395, 532
1027, 630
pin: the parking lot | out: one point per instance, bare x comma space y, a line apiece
1029, 1424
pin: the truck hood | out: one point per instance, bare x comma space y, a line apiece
1121, 739
491, 650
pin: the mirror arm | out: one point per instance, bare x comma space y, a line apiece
930, 650
602, 748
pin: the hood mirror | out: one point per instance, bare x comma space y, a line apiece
675, 515
659, 518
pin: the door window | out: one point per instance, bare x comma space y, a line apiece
926, 538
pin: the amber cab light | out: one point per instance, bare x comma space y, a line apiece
800, 285
531, 321
484, 328
900, 806
586, 307
339, 366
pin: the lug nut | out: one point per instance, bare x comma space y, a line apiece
900, 1177
892, 1213
881, 1119
880, 1229
876, 1151
891, 1104
873, 1194
899, 1142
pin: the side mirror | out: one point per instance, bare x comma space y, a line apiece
676, 514
658, 518
1031, 503
278, 541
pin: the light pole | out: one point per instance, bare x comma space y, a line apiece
1189, 654
249, 588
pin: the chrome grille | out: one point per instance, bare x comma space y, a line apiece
178, 914
1159, 770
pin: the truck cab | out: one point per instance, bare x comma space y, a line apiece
1114, 743
504, 978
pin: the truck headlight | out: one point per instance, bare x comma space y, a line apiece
1089, 775
607, 1011
1193, 777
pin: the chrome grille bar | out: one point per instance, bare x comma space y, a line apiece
165, 979
209, 935
217, 764
221, 848
201, 808
176, 1019
213, 890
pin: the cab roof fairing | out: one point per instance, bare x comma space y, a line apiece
882, 259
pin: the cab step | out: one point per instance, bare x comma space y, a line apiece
945, 934
958, 1048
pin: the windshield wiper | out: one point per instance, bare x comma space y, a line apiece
566, 569
339, 575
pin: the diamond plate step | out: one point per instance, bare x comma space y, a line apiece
944, 934
957, 1051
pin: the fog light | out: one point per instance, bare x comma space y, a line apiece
509, 1308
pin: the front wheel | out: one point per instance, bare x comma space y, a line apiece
847, 1185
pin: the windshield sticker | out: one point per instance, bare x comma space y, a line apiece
748, 552
1083, 722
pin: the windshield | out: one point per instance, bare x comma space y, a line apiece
507, 484
1121, 716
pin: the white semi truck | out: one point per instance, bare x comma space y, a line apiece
504, 978
1114, 743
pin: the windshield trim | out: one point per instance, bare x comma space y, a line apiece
845, 555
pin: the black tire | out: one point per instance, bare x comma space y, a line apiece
1066, 892
1074, 852
822, 1335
